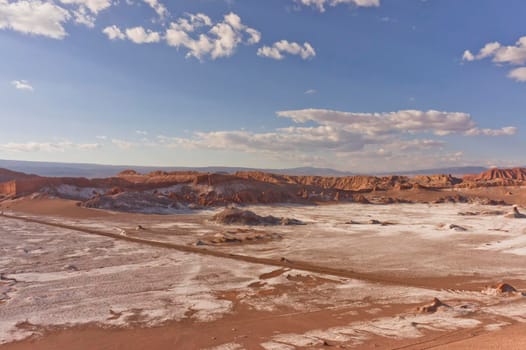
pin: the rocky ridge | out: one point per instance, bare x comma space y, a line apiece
165, 192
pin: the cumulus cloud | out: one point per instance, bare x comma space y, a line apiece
94, 6
202, 38
82, 16
85, 11
311, 92
159, 8
113, 32
22, 85
278, 50
501, 54
488, 50
34, 17
518, 74
46, 146
137, 35
321, 4
46, 17
141, 36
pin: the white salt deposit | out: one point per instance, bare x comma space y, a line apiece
75, 192
126, 280
276, 346
407, 327
82, 278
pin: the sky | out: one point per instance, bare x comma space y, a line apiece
355, 85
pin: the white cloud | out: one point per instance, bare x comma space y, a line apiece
505, 131
48, 17
310, 92
137, 35
159, 8
141, 36
393, 137
376, 124
85, 11
113, 32
22, 85
95, 6
499, 54
34, 17
292, 139
488, 50
321, 4
468, 56
82, 16
202, 38
46, 146
278, 50
518, 74
122, 144
141, 132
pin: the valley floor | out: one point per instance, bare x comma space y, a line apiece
354, 276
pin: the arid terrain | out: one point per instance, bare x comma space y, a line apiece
263, 261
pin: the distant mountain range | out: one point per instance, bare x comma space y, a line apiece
100, 171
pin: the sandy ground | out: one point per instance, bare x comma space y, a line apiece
66, 288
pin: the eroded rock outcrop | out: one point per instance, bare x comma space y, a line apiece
515, 214
433, 307
234, 216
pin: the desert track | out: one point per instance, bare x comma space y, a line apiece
283, 262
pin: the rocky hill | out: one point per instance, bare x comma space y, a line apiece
163, 192
495, 174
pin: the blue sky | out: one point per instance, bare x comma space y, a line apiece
360, 85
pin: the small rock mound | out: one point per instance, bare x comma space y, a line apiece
502, 289
370, 222
481, 213
457, 228
505, 288
515, 214
234, 216
433, 307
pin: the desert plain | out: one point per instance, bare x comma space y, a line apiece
437, 265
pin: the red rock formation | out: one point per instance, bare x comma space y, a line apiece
517, 174
436, 181
189, 188
8, 188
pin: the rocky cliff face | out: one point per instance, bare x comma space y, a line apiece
502, 175
8, 175
357, 183
130, 190
436, 181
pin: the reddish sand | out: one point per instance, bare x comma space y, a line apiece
249, 327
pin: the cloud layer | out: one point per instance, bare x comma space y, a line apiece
51, 147
405, 121
346, 135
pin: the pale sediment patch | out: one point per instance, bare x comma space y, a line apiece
398, 327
